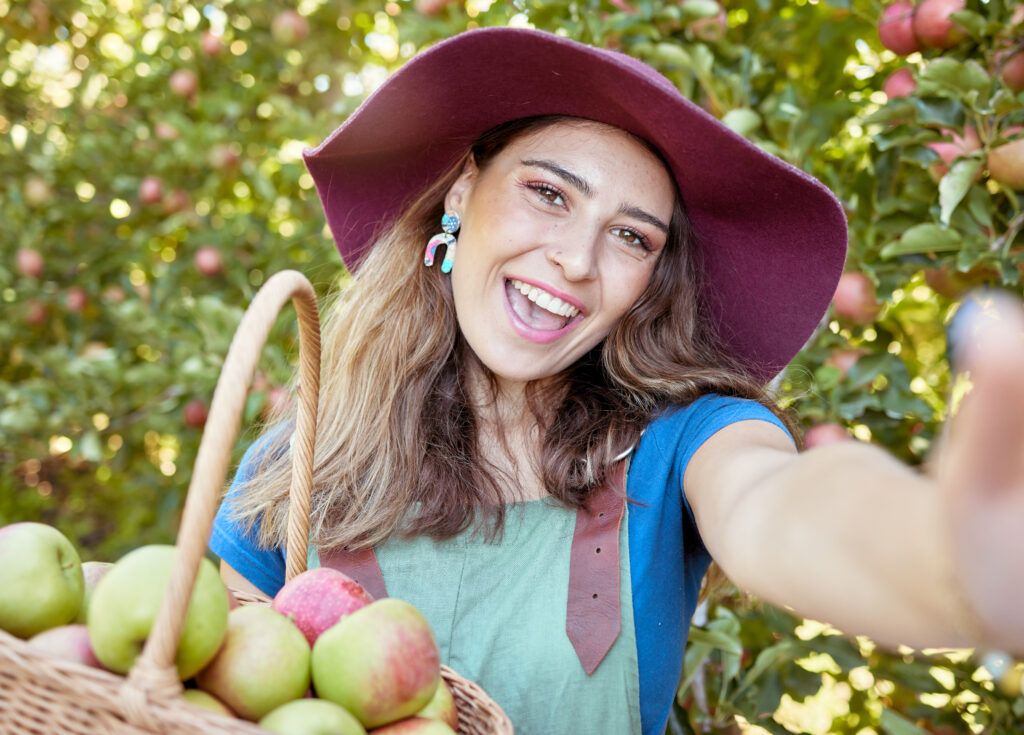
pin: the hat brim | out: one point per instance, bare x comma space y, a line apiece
772, 238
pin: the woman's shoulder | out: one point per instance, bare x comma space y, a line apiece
710, 407
680, 430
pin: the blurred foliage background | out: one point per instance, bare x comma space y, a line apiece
151, 180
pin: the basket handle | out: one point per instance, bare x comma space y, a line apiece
155, 666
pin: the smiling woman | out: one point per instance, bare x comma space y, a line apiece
567, 210
622, 274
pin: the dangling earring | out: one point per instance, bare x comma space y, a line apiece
450, 223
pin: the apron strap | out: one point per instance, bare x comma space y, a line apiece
360, 565
593, 617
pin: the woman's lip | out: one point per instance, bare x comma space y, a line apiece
539, 336
553, 291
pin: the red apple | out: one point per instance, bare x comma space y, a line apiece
432, 7
895, 28
29, 262
946, 281
962, 145
442, 707
318, 598
381, 662
1006, 164
69, 642
827, 433
151, 190
35, 314
208, 261
76, 299
1011, 65
899, 84
289, 28
263, 663
222, 157
277, 402
416, 726
176, 201
711, 27
165, 131
113, 295
210, 44
844, 359
184, 83
92, 573
195, 413
932, 25
37, 192
854, 299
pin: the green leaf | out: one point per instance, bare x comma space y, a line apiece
926, 238
945, 112
694, 9
948, 74
742, 120
827, 377
770, 658
955, 185
973, 22
717, 639
671, 54
896, 724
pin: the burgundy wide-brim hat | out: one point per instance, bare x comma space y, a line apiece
772, 238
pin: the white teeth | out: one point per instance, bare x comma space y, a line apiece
545, 300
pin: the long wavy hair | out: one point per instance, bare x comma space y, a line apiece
397, 448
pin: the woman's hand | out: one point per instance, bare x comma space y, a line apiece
980, 471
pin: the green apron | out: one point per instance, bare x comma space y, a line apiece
498, 611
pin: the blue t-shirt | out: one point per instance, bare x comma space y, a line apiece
667, 558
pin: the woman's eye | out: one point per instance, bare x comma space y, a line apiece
554, 196
631, 237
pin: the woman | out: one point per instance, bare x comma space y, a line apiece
620, 276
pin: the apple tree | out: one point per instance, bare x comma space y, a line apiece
151, 180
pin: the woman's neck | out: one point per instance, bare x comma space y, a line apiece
510, 432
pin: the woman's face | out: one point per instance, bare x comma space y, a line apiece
560, 234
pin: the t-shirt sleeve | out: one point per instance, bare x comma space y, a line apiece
265, 568
707, 416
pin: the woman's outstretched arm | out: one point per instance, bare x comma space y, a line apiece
847, 534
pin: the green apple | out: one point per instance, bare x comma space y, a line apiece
263, 663
312, 717
126, 601
41, 583
380, 662
442, 707
205, 700
92, 573
415, 726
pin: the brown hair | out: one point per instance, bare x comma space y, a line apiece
397, 444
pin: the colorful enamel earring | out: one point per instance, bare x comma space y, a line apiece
450, 223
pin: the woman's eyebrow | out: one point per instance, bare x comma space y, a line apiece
643, 216
577, 182
580, 184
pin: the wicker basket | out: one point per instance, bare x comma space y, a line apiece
44, 695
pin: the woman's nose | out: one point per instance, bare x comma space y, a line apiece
575, 253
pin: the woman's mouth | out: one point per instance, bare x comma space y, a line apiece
537, 314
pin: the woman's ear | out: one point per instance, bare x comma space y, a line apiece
455, 199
